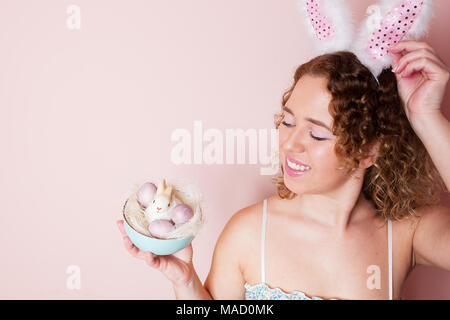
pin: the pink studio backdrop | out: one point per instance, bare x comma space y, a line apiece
86, 114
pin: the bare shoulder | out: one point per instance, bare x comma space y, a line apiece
243, 227
431, 235
431, 214
246, 217
436, 210
226, 279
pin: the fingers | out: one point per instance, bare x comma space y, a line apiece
132, 249
428, 67
152, 260
410, 45
121, 227
419, 57
414, 55
185, 254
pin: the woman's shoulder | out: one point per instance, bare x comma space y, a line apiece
411, 220
244, 225
235, 247
246, 218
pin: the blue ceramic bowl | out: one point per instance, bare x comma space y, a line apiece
160, 247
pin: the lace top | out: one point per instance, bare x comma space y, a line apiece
262, 291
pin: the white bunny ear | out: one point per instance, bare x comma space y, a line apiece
329, 23
168, 190
161, 186
390, 22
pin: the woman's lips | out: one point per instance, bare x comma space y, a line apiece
292, 172
296, 161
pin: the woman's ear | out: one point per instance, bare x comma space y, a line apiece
373, 154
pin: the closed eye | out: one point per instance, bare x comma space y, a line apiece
316, 138
310, 133
287, 124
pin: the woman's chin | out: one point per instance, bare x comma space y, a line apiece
294, 187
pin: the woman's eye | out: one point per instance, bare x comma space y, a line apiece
287, 124
310, 133
316, 138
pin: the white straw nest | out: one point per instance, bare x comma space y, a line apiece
188, 194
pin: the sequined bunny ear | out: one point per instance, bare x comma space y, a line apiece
390, 22
328, 23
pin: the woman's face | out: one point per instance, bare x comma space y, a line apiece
305, 139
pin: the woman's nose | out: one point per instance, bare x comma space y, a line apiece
294, 142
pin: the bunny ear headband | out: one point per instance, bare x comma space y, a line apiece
329, 23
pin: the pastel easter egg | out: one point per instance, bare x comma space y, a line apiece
146, 193
181, 213
160, 228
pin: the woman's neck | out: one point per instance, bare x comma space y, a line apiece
336, 211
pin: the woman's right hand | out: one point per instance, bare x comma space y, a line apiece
177, 267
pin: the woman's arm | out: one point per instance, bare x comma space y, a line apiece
431, 241
422, 79
194, 290
225, 279
434, 131
177, 268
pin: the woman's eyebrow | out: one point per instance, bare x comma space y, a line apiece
313, 121
319, 123
288, 110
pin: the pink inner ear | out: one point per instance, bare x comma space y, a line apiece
321, 24
393, 27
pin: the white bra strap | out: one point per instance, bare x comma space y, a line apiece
390, 257
263, 240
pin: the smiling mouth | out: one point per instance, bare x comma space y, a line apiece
297, 165
295, 169
294, 166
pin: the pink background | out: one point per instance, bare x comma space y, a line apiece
86, 114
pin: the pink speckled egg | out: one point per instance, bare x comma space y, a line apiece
160, 228
146, 193
181, 213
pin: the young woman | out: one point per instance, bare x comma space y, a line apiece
357, 203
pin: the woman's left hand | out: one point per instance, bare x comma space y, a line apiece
422, 78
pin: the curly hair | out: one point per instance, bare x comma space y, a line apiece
403, 176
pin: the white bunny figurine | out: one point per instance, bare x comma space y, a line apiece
162, 210
161, 204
